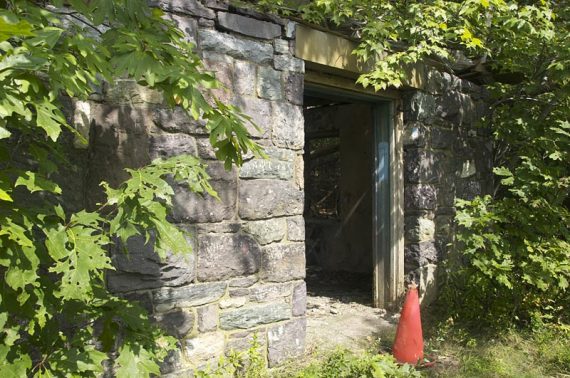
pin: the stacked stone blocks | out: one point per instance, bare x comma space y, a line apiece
447, 155
246, 272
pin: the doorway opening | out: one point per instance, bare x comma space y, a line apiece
347, 215
339, 201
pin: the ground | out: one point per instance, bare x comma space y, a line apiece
340, 312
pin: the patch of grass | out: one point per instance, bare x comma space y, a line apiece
540, 353
343, 363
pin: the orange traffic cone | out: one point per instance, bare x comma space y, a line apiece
409, 341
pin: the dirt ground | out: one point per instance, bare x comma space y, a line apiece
340, 312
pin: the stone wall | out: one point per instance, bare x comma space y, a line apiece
245, 275
447, 155
246, 272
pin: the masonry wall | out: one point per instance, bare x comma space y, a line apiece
245, 275
447, 155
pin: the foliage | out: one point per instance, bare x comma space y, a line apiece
56, 316
543, 352
246, 364
514, 252
514, 248
344, 364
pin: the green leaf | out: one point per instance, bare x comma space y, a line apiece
4, 133
4, 196
34, 183
135, 362
11, 26
56, 239
17, 368
48, 36
49, 119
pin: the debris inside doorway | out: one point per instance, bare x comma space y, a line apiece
340, 312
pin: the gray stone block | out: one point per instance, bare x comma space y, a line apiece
435, 82
254, 51
205, 347
420, 107
243, 281
128, 92
188, 296
260, 112
283, 262
418, 229
243, 340
456, 107
267, 169
218, 228
248, 26
192, 7
234, 302
217, 4
415, 134
281, 46
177, 323
225, 256
289, 63
143, 299
207, 318
288, 126
269, 83
296, 228
468, 189
420, 197
286, 341
294, 87
167, 145
206, 23
442, 138
450, 82
245, 77
422, 166
282, 154
260, 199
213, 58
223, 71
187, 25
205, 149
269, 292
419, 254
253, 316
173, 362
299, 299
177, 121
239, 292
266, 231
290, 29
196, 208
139, 267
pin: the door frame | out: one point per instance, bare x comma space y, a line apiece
388, 215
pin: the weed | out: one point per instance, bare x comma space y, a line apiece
345, 364
544, 351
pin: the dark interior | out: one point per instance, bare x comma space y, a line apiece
338, 197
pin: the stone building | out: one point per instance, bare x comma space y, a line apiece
356, 180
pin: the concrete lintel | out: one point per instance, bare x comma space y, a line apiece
333, 52
315, 75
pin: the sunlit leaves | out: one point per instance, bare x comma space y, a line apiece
12, 26
34, 182
52, 259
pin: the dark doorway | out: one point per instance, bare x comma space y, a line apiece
339, 198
